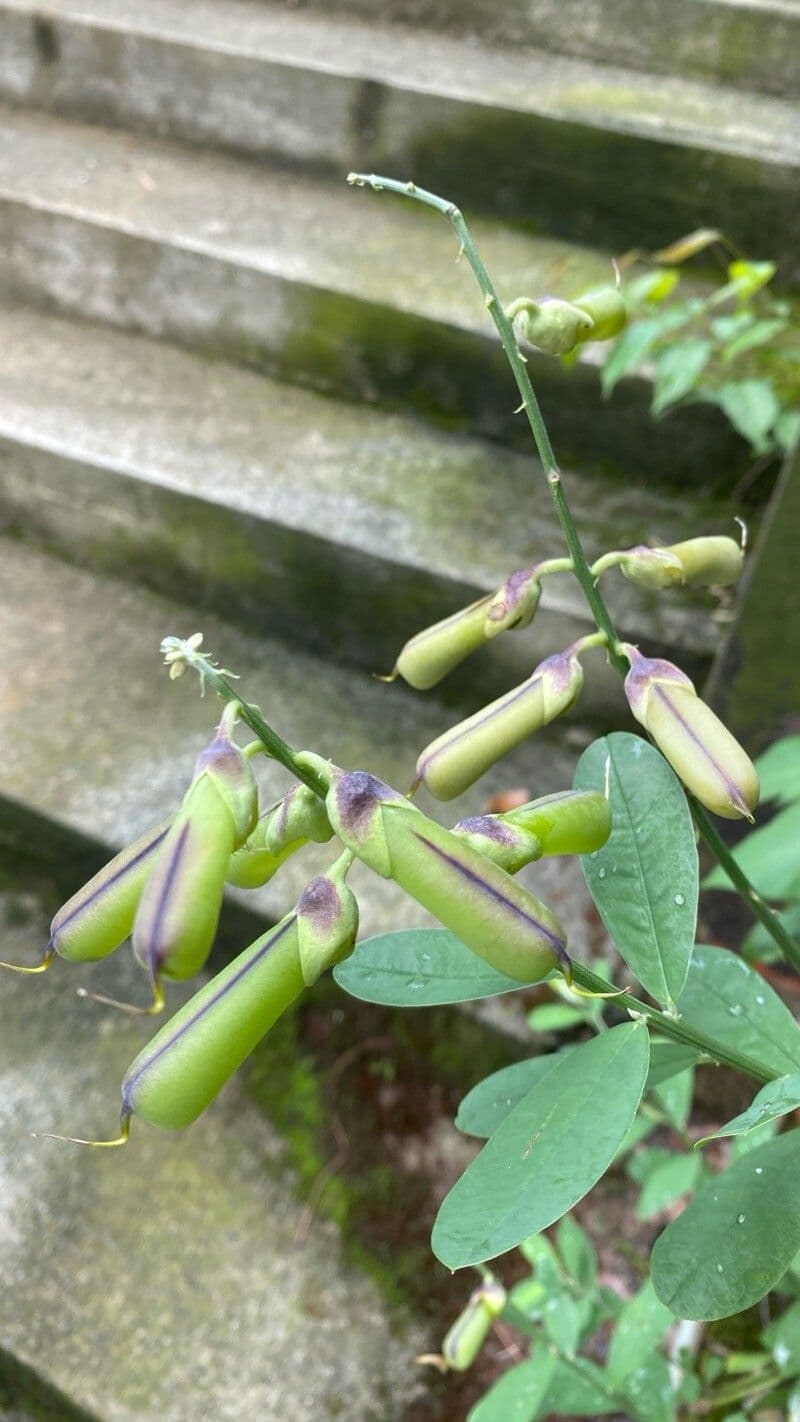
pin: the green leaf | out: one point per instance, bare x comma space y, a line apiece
518, 1395
675, 1098
740, 1145
548, 1151
769, 856
752, 408
736, 1238
654, 286
564, 1320
640, 1328
676, 372
488, 1103
727, 1000
667, 1059
645, 1161
787, 430
649, 1391
760, 947
758, 334
639, 338
578, 1389
419, 967
749, 277
555, 1017
779, 771
674, 1177
644, 880
577, 1251
640, 1128
782, 1337
775, 1099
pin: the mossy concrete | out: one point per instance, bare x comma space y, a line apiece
342, 528
369, 302
598, 152
166, 1281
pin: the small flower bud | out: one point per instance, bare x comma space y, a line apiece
284, 829
470, 1330
427, 657
515, 602
223, 764
456, 759
505, 844
606, 309
705, 756
478, 901
552, 325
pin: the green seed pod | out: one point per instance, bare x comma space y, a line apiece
552, 325
297, 818
656, 568
427, 657
606, 310
178, 1074
514, 604
505, 844
713, 561
456, 759
476, 899
568, 822
703, 754
99, 917
468, 1334
179, 909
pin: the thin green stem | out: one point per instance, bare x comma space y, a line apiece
675, 1028
581, 568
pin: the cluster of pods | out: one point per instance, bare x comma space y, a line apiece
702, 752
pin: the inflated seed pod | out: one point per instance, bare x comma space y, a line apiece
552, 325
178, 1074
713, 561
515, 602
297, 818
607, 311
99, 917
456, 759
701, 751
468, 1334
567, 822
177, 916
477, 900
433, 652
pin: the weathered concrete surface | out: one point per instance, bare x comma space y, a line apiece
343, 290
165, 1281
88, 774
343, 528
746, 43
638, 152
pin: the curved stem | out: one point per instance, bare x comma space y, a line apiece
583, 572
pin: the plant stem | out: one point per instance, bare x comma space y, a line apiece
739, 879
673, 1027
581, 567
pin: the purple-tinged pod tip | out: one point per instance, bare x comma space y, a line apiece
231, 774
701, 751
506, 844
515, 602
327, 924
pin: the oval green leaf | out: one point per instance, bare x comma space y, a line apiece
736, 1239
645, 879
775, 1099
548, 1151
519, 1394
488, 1103
727, 1000
419, 967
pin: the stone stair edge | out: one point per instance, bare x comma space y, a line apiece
383, 106
128, 231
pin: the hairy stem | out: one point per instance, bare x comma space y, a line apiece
583, 572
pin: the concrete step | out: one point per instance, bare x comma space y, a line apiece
603, 154
341, 289
182, 1277
340, 528
751, 44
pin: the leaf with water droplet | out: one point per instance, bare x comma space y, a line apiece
775, 1099
686, 1258
720, 999
648, 902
